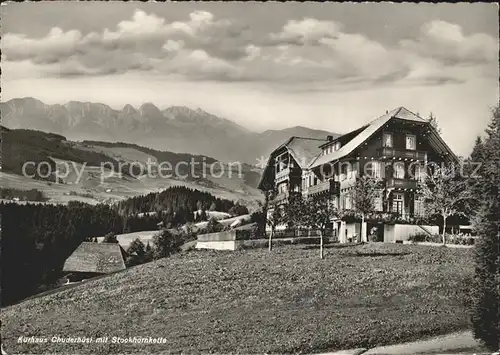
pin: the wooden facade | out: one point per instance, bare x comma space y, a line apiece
397, 148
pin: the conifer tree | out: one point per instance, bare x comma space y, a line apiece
486, 291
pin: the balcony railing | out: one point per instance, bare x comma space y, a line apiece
387, 152
282, 175
292, 173
401, 183
328, 186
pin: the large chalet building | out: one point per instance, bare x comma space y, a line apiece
395, 148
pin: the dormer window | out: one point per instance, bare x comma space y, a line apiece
387, 140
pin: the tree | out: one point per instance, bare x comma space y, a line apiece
445, 194
137, 246
213, 207
213, 226
363, 196
203, 215
318, 216
238, 210
312, 213
110, 238
259, 218
486, 285
135, 251
477, 150
274, 218
434, 123
166, 243
148, 253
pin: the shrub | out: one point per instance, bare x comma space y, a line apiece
238, 210
136, 252
213, 226
110, 238
419, 237
169, 241
166, 243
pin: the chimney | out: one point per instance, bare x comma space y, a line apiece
329, 138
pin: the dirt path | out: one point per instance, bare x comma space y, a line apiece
455, 343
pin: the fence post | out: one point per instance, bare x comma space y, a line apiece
321, 244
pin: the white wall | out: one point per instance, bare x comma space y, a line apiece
403, 232
218, 245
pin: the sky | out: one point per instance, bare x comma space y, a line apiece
331, 66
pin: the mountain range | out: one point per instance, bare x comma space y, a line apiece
176, 128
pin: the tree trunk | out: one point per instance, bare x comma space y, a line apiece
321, 245
271, 239
444, 229
361, 231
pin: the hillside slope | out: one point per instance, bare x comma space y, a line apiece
94, 173
253, 301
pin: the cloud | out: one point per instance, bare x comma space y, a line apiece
307, 51
446, 42
55, 46
306, 31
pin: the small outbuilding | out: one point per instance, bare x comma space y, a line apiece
94, 259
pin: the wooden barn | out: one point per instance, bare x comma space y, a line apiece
94, 259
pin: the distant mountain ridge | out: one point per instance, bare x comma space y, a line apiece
176, 128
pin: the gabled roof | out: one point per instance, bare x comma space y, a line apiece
303, 150
96, 257
371, 128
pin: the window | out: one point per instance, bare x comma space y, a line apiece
411, 142
419, 206
348, 202
337, 146
387, 140
419, 173
373, 169
377, 202
399, 170
398, 203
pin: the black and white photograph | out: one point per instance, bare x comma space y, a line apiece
249, 178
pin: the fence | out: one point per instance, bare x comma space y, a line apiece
304, 233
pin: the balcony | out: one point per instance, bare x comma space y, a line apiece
282, 175
401, 183
287, 173
387, 152
327, 187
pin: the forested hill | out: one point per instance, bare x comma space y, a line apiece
37, 239
158, 154
173, 200
24, 145
109, 172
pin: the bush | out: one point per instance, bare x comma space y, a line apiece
166, 243
110, 238
169, 242
136, 251
238, 210
213, 226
